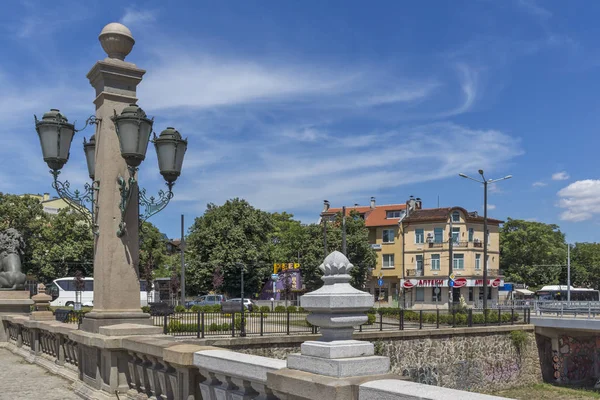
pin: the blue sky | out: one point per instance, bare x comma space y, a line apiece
289, 103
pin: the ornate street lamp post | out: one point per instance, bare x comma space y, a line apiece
113, 155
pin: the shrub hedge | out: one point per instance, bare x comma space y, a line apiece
460, 317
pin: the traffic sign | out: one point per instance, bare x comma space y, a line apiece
436, 290
450, 283
452, 276
380, 282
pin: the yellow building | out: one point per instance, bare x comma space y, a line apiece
52, 205
413, 253
435, 238
383, 222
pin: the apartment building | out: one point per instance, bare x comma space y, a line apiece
383, 222
436, 238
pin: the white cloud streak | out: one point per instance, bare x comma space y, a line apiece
539, 184
560, 176
581, 200
134, 18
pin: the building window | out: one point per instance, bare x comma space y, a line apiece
455, 235
435, 262
436, 296
471, 232
477, 261
388, 236
394, 214
438, 235
459, 261
470, 294
487, 263
419, 262
388, 261
455, 216
419, 236
420, 294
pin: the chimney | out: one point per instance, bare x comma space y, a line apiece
411, 204
418, 203
372, 203
325, 205
46, 196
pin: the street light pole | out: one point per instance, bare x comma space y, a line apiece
485, 226
182, 250
344, 230
568, 272
243, 326
485, 243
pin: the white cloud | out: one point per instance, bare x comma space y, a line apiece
469, 80
533, 8
494, 188
560, 176
539, 184
133, 17
491, 207
581, 200
298, 176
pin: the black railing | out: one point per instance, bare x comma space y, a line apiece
205, 324
414, 272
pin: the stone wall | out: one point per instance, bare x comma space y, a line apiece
477, 359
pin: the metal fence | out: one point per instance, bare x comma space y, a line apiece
210, 324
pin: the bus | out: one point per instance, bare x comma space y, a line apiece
559, 293
63, 292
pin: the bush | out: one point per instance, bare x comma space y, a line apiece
519, 339
264, 309
280, 309
146, 309
301, 310
207, 309
292, 309
371, 318
178, 327
180, 308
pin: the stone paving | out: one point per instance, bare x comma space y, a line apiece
22, 380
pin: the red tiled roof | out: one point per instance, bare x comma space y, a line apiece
373, 217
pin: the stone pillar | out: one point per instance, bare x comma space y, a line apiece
116, 279
337, 308
41, 308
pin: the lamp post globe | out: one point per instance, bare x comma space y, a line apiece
56, 134
89, 149
133, 130
170, 149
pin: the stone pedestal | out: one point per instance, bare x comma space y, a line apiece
337, 308
15, 301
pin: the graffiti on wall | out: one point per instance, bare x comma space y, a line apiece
427, 375
576, 359
501, 372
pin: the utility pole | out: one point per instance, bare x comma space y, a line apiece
568, 272
182, 250
485, 243
243, 326
451, 266
325, 236
344, 230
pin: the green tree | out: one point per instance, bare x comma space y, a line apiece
228, 237
153, 246
63, 245
533, 253
585, 265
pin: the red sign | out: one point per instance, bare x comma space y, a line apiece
493, 283
460, 282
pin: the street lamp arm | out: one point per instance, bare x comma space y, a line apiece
500, 179
152, 205
126, 189
91, 120
468, 177
77, 200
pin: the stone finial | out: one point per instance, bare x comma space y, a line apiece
41, 302
336, 264
116, 40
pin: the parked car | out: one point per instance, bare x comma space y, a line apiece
206, 300
234, 305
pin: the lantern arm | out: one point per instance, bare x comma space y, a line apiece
92, 120
153, 205
77, 200
126, 187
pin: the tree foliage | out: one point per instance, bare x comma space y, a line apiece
533, 253
232, 236
237, 232
585, 265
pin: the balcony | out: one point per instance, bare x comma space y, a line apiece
414, 272
460, 244
435, 245
478, 245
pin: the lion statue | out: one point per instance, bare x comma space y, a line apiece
12, 247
